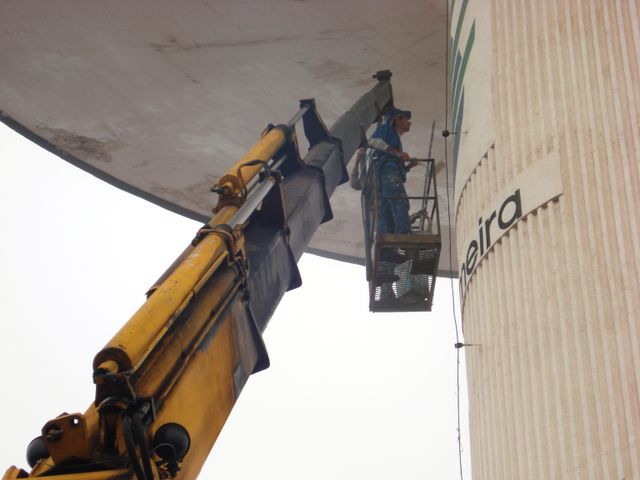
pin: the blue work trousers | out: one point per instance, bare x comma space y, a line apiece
393, 213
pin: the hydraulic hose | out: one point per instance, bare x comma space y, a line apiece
131, 449
138, 435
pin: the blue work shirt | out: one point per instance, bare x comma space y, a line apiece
385, 163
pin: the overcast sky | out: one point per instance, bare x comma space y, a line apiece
349, 394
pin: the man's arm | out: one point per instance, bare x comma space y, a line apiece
379, 144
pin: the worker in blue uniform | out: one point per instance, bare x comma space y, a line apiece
391, 165
391, 172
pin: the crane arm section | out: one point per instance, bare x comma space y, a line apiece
168, 379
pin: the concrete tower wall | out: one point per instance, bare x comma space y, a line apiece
553, 298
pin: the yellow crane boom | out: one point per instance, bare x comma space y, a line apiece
167, 381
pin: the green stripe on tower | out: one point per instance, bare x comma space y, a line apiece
456, 38
463, 69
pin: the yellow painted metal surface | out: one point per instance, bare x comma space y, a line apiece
188, 350
235, 181
133, 342
117, 474
205, 392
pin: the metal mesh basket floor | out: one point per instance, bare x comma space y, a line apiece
404, 273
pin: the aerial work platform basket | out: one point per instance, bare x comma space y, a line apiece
402, 268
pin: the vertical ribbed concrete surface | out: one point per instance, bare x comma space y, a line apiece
555, 305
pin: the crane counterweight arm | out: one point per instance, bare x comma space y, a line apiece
167, 381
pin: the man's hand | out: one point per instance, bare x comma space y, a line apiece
412, 163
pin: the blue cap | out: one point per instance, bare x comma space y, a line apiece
396, 112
